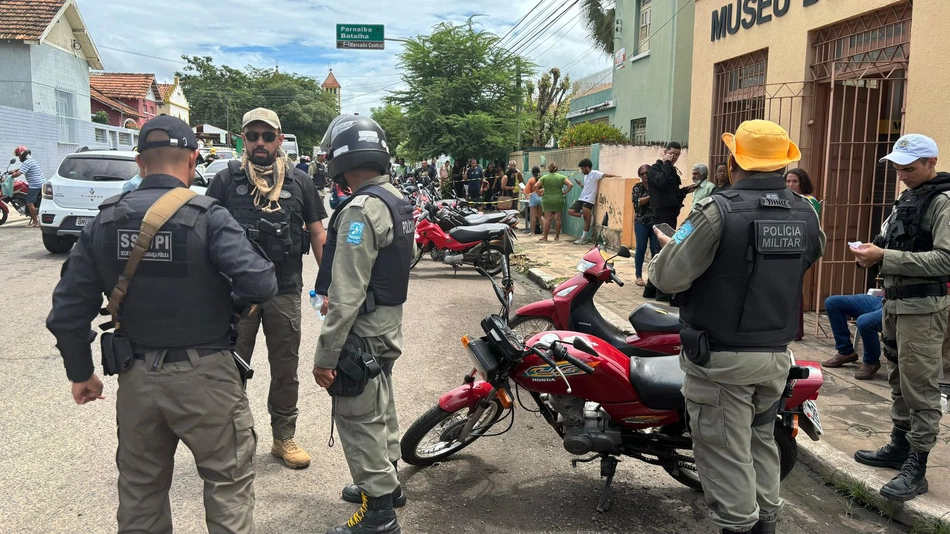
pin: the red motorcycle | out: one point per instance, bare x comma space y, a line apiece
572, 308
13, 194
600, 401
456, 239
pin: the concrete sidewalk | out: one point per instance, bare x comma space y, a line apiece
855, 414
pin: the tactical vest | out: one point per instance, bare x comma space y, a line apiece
750, 296
902, 230
178, 298
320, 175
389, 281
280, 234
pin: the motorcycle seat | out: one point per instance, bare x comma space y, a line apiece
485, 218
658, 382
481, 232
652, 318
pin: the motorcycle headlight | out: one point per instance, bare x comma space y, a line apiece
583, 265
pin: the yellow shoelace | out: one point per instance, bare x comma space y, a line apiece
358, 516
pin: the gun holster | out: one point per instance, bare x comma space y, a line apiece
695, 346
354, 369
117, 355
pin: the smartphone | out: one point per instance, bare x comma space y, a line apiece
665, 229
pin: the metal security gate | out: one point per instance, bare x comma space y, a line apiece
860, 71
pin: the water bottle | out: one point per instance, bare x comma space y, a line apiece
317, 302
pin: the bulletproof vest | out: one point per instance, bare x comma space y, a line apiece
389, 281
177, 298
902, 230
280, 234
750, 296
320, 175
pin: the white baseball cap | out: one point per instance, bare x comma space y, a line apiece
911, 148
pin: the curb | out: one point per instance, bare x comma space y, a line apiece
830, 463
836, 466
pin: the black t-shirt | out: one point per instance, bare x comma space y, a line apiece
301, 188
424, 176
512, 175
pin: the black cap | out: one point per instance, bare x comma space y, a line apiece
179, 134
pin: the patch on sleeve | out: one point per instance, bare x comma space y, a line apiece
359, 201
354, 235
683, 232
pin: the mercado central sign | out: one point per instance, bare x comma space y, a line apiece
747, 13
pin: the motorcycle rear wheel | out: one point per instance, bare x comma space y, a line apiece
434, 436
3, 215
528, 325
787, 448
490, 259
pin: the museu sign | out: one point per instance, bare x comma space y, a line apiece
747, 13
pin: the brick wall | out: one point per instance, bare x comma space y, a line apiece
40, 132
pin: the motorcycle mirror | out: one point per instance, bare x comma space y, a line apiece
623, 252
582, 345
12, 161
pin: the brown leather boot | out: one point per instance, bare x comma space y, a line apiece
839, 360
866, 372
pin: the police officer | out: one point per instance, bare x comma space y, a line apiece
737, 265
913, 250
178, 381
366, 276
278, 206
318, 173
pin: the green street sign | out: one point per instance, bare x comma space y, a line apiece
360, 36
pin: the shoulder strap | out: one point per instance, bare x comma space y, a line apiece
156, 217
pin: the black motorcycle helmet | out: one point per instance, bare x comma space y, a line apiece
354, 142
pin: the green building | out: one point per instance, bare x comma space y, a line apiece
593, 100
653, 67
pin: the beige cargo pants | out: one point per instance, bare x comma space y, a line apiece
369, 430
738, 463
913, 378
200, 402
281, 319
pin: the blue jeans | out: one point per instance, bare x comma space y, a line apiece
868, 312
644, 235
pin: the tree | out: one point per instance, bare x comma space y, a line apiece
101, 117
220, 95
462, 93
600, 24
546, 109
392, 120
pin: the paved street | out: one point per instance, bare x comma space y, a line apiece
58, 471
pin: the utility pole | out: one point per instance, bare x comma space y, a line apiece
520, 101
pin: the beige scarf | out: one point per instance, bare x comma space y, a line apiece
267, 193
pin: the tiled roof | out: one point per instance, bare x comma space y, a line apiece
330, 82
164, 90
121, 84
114, 104
26, 20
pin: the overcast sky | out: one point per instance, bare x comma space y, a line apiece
300, 36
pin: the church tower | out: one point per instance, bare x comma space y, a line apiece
330, 85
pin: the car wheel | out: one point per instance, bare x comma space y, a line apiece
58, 244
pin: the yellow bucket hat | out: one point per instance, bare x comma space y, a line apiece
760, 145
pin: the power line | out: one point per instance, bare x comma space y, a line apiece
529, 26
520, 21
545, 25
143, 55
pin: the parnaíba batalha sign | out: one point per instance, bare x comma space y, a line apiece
747, 13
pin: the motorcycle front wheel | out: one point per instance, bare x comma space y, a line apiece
527, 325
3, 214
490, 259
434, 436
421, 250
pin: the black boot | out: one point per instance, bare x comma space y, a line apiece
910, 482
764, 527
893, 455
649, 291
353, 494
376, 516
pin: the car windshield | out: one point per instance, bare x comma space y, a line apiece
98, 169
214, 168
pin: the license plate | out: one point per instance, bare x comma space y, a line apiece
83, 221
811, 412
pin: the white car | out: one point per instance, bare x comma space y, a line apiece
72, 196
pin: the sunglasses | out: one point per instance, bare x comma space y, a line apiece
252, 137
643, 174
